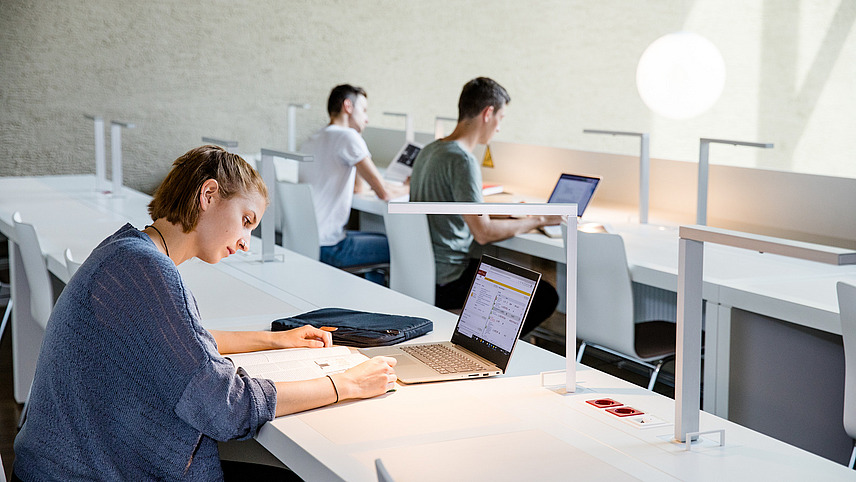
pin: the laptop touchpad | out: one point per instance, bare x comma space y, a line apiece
403, 359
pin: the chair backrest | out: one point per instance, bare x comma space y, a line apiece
411, 256
382, 473
299, 226
41, 289
604, 293
255, 161
847, 310
70, 263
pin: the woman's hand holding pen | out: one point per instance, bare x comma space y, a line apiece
368, 379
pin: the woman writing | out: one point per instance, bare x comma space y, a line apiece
129, 385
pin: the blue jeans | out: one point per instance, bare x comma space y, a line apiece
358, 248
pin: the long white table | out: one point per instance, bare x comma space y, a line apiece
509, 427
512, 428
737, 282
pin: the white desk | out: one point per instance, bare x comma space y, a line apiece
794, 291
514, 429
459, 422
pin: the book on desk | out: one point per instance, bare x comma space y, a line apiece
295, 364
489, 189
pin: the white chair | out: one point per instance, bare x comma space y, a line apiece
6, 299
70, 263
605, 307
411, 256
300, 227
6, 295
382, 473
36, 269
5, 292
38, 279
847, 310
285, 170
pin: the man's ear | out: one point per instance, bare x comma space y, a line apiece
486, 113
207, 194
348, 106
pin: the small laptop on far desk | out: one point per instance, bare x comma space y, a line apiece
571, 188
484, 339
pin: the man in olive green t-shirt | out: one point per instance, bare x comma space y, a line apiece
446, 170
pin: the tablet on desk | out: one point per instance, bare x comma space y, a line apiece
402, 164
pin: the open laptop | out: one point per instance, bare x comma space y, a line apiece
402, 164
571, 188
499, 299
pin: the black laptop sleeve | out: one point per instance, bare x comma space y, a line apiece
359, 328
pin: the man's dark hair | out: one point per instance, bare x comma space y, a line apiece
479, 93
338, 96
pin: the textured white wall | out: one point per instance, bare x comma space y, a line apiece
228, 69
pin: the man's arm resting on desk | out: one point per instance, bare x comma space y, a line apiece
368, 171
368, 379
486, 230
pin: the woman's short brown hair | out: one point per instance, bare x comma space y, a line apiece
177, 197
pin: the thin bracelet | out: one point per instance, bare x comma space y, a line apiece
334, 388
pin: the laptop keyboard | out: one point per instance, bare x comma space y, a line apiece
443, 359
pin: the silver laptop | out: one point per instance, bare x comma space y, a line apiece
571, 188
402, 164
499, 299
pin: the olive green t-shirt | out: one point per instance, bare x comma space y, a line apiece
443, 172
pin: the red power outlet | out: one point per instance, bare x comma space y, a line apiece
624, 411
604, 403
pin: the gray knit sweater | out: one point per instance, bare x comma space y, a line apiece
129, 386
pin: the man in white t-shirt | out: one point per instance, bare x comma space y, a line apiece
340, 155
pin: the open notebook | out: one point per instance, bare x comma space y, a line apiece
484, 339
294, 364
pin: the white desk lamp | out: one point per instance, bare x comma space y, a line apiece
690, 263
292, 124
268, 172
100, 162
703, 164
231, 146
559, 209
644, 166
116, 153
409, 134
438, 125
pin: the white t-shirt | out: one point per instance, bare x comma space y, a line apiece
337, 150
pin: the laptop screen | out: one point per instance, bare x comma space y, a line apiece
572, 188
499, 298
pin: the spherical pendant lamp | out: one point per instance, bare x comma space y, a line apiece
680, 75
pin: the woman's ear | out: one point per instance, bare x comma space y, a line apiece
208, 193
